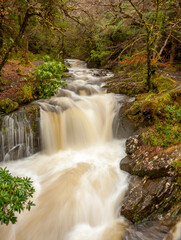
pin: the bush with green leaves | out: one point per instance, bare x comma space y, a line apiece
14, 196
48, 77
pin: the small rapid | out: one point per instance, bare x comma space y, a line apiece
79, 186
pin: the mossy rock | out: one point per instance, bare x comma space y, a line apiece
149, 108
176, 96
7, 105
162, 84
129, 88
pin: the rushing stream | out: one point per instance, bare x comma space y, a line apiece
79, 185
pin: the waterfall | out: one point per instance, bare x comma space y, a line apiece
79, 186
17, 138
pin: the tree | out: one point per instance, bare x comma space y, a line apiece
157, 20
27, 10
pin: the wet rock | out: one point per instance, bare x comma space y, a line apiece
149, 198
144, 160
125, 85
146, 231
155, 190
132, 144
123, 127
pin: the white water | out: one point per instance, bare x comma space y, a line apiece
177, 232
79, 186
16, 137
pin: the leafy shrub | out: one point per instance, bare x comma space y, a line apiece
99, 57
44, 81
48, 77
14, 196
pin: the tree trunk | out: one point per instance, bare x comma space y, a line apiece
148, 50
172, 52
1, 24
1, 37
25, 49
18, 38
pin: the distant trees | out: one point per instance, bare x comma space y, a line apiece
134, 27
47, 18
159, 20
103, 32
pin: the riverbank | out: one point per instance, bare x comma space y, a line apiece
13, 78
153, 151
154, 163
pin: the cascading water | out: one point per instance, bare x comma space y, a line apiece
77, 179
79, 186
17, 138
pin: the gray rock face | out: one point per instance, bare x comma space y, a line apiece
143, 160
149, 197
154, 191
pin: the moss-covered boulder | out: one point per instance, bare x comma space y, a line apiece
162, 84
7, 105
130, 88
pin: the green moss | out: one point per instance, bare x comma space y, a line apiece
137, 219
163, 135
4, 81
162, 84
7, 105
163, 116
149, 108
177, 166
129, 88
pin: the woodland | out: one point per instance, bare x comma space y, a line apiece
139, 40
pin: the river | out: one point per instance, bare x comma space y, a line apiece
79, 185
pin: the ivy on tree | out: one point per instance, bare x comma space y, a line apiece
14, 196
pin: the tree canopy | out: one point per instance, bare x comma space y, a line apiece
103, 33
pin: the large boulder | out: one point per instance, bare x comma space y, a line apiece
149, 198
143, 160
155, 184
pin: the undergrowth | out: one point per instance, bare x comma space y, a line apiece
43, 82
162, 114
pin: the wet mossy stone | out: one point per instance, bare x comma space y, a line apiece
162, 84
130, 88
7, 105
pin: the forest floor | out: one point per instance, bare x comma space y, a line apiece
13, 78
175, 75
